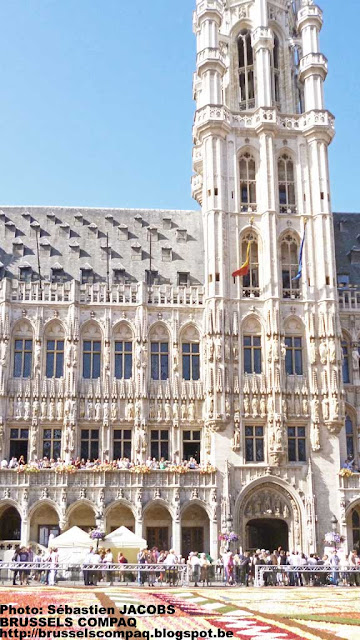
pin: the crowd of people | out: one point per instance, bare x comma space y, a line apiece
121, 463
233, 568
333, 568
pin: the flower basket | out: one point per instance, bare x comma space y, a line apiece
346, 473
332, 537
97, 534
229, 537
140, 468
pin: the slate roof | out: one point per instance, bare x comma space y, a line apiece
347, 245
78, 239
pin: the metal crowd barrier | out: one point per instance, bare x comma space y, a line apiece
176, 574
316, 574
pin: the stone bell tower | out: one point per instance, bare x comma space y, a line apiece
272, 336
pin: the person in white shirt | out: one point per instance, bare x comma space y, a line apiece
195, 567
87, 572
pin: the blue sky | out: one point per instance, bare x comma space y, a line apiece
96, 102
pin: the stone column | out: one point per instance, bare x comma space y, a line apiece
25, 531
176, 536
213, 527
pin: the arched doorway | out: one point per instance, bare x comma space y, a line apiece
194, 530
119, 515
267, 533
82, 516
269, 515
10, 524
44, 522
157, 526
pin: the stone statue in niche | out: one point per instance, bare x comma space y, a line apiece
183, 410
335, 407
218, 349
106, 412
159, 411
43, 413
130, 410
18, 409
323, 350
305, 406
315, 436
355, 359
236, 440
60, 409
114, 411
175, 410
254, 407
90, 410
27, 409
227, 407
37, 354
35, 408
191, 412
152, 410
332, 351
325, 408
98, 410
211, 350
316, 410
312, 351
167, 411
82, 408
246, 406
262, 406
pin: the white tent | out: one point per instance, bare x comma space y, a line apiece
72, 545
124, 540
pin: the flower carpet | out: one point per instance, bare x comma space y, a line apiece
251, 614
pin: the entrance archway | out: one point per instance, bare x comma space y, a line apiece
82, 516
268, 514
10, 524
194, 530
157, 526
267, 533
119, 515
44, 522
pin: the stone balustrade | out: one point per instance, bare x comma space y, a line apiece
50, 478
262, 117
349, 300
98, 293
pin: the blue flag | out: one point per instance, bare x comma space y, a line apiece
299, 273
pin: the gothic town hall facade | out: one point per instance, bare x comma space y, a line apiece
124, 335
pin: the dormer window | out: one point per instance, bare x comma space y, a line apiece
87, 274
25, 273
151, 277
119, 275
166, 253
57, 273
181, 235
183, 278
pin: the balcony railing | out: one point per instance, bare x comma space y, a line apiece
193, 478
349, 300
99, 293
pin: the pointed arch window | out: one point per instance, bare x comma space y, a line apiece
247, 171
250, 281
345, 361
349, 429
356, 529
289, 267
275, 72
286, 177
246, 71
